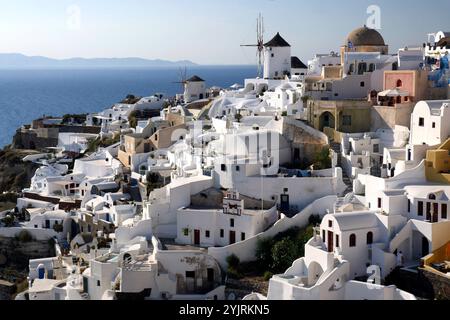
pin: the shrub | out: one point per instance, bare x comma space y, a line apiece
322, 159
8, 221
314, 219
233, 273
284, 253
264, 252
233, 261
24, 236
8, 197
267, 275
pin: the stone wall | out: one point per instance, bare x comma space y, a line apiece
19, 253
7, 290
441, 284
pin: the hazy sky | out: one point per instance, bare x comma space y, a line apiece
204, 31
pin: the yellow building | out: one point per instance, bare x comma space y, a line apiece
437, 167
132, 144
349, 116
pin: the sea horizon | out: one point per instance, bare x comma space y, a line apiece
29, 93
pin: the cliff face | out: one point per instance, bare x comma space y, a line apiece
14, 173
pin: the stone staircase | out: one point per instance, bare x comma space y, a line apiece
337, 148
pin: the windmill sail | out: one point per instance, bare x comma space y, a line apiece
259, 43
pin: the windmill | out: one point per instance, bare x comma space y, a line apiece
182, 77
259, 42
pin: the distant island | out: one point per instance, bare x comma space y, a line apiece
17, 60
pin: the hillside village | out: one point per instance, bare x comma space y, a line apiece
328, 179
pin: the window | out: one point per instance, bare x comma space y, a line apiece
369, 237
399, 83
362, 84
98, 283
376, 148
444, 211
323, 235
207, 234
409, 205
272, 55
434, 125
347, 120
337, 241
238, 168
186, 232
380, 201
156, 137
223, 167
352, 241
222, 233
432, 196
420, 208
330, 224
351, 68
421, 122
428, 210
190, 274
286, 190
232, 223
242, 236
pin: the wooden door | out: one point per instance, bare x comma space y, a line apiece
197, 237
330, 241
232, 237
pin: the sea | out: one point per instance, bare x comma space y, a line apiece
28, 94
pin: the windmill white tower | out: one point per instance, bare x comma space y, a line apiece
259, 43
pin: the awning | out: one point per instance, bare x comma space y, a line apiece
394, 93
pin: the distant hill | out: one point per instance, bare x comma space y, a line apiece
16, 60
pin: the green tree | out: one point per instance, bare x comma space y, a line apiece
284, 253
322, 159
264, 252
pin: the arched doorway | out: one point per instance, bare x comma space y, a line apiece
315, 271
327, 120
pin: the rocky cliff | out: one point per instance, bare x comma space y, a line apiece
14, 173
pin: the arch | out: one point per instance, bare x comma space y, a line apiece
327, 119
352, 240
432, 196
370, 237
315, 271
399, 83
